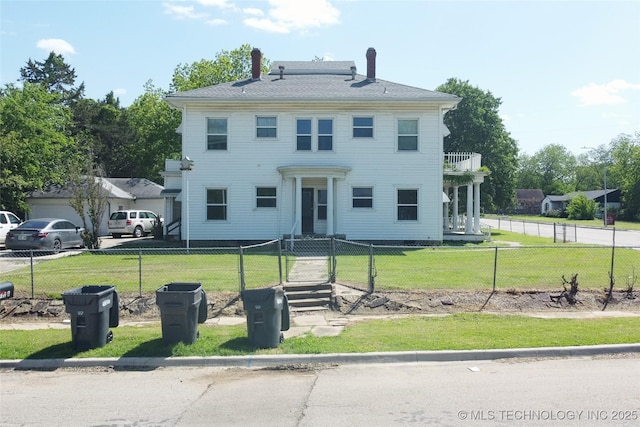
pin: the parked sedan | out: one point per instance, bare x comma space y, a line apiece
49, 234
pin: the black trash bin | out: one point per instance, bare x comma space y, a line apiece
267, 315
182, 307
93, 310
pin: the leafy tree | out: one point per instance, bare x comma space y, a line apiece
35, 142
103, 129
155, 124
227, 66
624, 173
55, 75
556, 166
527, 175
88, 199
581, 208
476, 126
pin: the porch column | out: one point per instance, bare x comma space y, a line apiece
330, 206
445, 216
455, 208
298, 206
476, 207
469, 225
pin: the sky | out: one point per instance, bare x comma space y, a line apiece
567, 71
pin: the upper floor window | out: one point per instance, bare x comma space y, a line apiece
216, 204
266, 127
266, 197
407, 205
407, 135
363, 127
216, 134
303, 134
362, 197
325, 134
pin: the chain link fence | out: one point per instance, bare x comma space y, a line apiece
364, 266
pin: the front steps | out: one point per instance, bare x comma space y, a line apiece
308, 296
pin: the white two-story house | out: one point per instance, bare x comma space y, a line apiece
314, 148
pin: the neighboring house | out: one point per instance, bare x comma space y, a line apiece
315, 149
528, 201
122, 193
560, 203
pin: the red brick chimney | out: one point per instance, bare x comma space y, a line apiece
256, 60
371, 64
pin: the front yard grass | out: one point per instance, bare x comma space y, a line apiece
455, 332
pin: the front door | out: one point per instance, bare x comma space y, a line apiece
307, 211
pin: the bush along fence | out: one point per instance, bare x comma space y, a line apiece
364, 266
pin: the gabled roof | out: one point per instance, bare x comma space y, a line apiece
117, 188
529, 194
589, 194
312, 81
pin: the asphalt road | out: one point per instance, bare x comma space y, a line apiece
569, 233
524, 392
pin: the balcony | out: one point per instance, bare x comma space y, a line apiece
462, 162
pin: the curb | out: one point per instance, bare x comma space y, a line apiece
271, 361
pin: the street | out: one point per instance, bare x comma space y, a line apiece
568, 233
570, 391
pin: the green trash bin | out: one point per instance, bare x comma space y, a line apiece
267, 313
93, 310
182, 307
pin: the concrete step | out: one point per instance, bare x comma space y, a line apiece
308, 296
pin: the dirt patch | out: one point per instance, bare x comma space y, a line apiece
136, 308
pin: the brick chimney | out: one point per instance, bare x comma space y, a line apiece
371, 64
256, 60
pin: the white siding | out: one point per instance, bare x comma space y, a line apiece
249, 162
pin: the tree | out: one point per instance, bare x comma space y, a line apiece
581, 208
556, 167
227, 66
54, 75
35, 143
88, 199
624, 173
476, 126
527, 174
155, 124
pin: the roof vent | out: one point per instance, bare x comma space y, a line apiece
281, 68
353, 73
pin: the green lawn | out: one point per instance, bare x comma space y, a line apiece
455, 332
535, 264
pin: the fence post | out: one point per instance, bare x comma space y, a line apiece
242, 284
32, 278
495, 268
555, 235
371, 279
280, 260
332, 260
140, 270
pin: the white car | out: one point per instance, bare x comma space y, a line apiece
135, 222
8, 221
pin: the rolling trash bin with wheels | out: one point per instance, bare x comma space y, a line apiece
182, 307
267, 315
93, 310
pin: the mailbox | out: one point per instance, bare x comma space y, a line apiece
6, 290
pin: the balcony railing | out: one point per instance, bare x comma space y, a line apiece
462, 161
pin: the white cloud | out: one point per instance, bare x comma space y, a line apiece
285, 16
59, 46
252, 11
222, 4
604, 94
182, 12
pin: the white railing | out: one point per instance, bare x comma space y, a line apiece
462, 161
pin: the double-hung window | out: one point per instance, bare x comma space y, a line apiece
362, 197
325, 134
216, 204
363, 127
303, 134
266, 197
407, 135
407, 205
266, 127
216, 134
